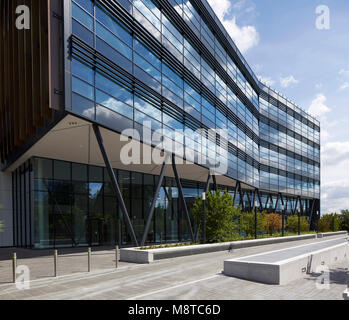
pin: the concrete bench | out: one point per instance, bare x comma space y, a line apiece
283, 266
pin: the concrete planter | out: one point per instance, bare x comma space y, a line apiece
135, 255
283, 266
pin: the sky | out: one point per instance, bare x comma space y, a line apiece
284, 44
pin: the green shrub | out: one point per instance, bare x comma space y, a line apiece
330, 222
344, 220
221, 216
247, 223
292, 224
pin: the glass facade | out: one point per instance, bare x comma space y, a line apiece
269, 145
70, 205
169, 65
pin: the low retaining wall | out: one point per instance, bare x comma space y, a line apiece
330, 234
136, 255
283, 266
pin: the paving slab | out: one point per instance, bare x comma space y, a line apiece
186, 278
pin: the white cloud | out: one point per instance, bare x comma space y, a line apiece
245, 37
318, 107
334, 153
344, 72
344, 86
266, 80
286, 82
335, 196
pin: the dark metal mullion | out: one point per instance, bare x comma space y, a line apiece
21, 204
17, 208
25, 204
30, 201
152, 207
182, 196
115, 183
71, 204
53, 206
13, 209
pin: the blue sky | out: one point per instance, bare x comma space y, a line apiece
281, 43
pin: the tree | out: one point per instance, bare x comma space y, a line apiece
274, 223
330, 222
220, 216
344, 220
292, 224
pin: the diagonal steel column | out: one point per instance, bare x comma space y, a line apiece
152, 207
277, 201
207, 187
115, 184
295, 206
179, 185
214, 183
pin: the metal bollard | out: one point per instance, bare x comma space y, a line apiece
116, 256
14, 266
55, 260
89, 260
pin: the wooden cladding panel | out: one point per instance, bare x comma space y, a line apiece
25, 76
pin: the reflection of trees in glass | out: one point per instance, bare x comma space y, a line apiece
1, 226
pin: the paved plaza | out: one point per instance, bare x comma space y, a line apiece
186, 278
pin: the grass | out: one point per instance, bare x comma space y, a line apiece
235, 237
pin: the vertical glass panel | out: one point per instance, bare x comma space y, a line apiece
43, 169
79, 214
62, 170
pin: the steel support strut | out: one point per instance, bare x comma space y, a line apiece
115, 184
179, 185
152, 207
